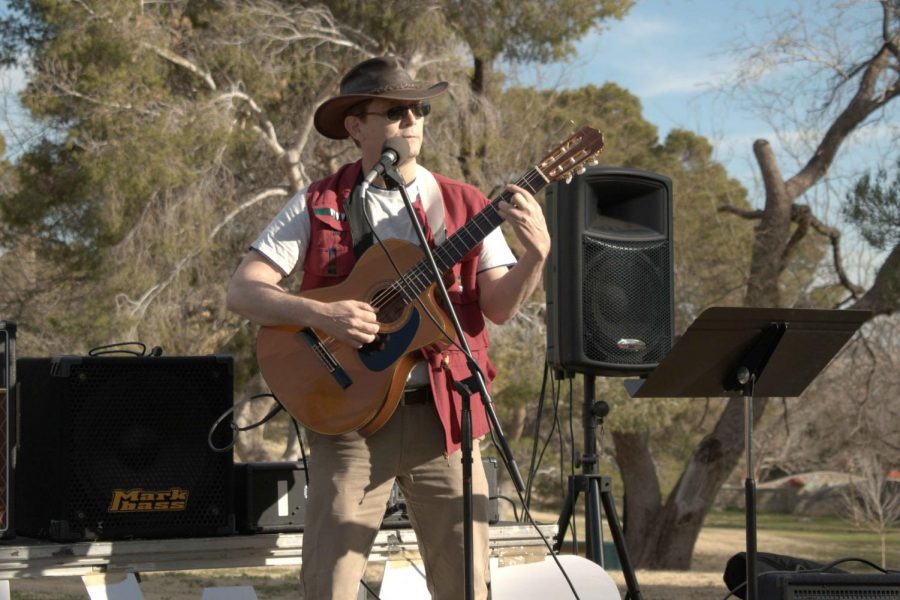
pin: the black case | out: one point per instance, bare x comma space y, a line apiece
270, 497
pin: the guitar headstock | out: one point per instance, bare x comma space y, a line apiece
580, 148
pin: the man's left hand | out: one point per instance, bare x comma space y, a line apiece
525, 216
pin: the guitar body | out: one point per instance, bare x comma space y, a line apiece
332, 388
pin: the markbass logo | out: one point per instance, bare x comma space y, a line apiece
140, 500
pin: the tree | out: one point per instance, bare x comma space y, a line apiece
873, 500
519, 32
663, 534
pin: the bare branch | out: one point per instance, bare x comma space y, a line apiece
866, 101
753, 215
265, 129
834, 236
70, 92
884, 295
139, 307
182, 62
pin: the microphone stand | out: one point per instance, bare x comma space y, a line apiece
473, 384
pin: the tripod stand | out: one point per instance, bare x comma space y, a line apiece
598, 490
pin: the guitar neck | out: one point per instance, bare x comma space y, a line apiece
470, 235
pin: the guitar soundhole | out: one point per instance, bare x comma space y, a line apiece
391, 311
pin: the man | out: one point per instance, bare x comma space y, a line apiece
351, 476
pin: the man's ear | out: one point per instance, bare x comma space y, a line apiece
352, 125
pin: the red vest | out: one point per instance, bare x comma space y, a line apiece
330, 258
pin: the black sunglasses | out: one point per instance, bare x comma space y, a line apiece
398, 112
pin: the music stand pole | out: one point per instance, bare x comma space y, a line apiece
750, 497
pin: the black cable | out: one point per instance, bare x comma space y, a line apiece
536, 436
235, 430
839, 561
540, 533
302, 450
512, 503
735, 591
553, 422
368, 589
572, 462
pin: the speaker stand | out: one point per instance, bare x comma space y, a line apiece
598, 490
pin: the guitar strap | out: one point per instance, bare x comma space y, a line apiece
360, 232
432, 203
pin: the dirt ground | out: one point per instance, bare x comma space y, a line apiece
702, 582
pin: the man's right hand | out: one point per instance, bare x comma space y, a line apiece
348, 321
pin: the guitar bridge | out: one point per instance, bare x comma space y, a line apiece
327, 358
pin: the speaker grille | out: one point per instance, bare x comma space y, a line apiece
624, 297
148, 432
823, 592
126, 444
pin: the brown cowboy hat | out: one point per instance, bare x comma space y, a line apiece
381, 77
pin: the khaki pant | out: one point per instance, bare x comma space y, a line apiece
350, 480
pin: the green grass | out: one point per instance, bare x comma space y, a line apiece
824, 538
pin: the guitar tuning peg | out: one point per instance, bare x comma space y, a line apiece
581, 170
569, 178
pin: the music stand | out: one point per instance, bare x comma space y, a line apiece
750, 352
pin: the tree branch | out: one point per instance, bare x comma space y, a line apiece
182, 62
864, 103
834, 236
883, 298
753, 215
139, 307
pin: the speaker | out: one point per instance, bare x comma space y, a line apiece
609, 278
115, 447
7, 424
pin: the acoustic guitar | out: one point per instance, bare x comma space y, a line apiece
332, 388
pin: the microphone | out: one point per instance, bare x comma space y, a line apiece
393, 150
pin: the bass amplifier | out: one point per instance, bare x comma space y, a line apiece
115, 447
828, 586
7, 424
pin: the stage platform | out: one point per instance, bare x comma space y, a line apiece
24, 557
